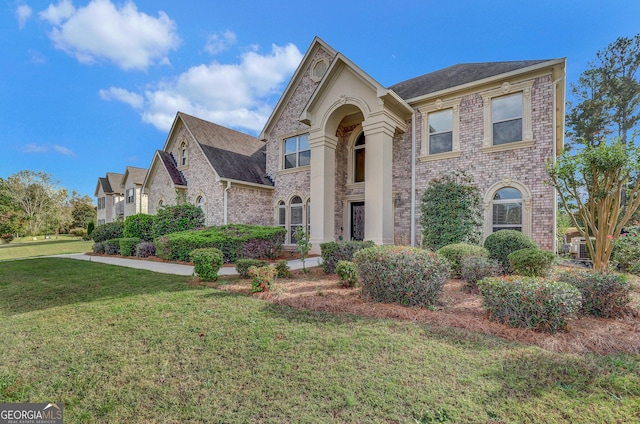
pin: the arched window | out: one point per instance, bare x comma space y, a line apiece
200, 202
160, 203
507, 210
295, 214
358, 159
282, 215
183, 154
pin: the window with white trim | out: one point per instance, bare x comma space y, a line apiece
282, 215
440, 130
507, 210
131, 195
507, 117
296, 151
184, 154
201, 204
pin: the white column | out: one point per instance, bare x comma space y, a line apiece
323, 187
378, 203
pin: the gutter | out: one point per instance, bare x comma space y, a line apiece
555, 153
226, 201
413, 179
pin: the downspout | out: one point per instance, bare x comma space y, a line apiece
413, 179
553, 157
225, 201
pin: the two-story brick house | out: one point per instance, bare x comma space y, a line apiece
351, 158
110, 198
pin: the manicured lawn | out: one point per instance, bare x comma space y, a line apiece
122, 345
26, 247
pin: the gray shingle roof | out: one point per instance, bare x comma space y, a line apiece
136, 174
113, 181
170, 165
456, 75
236, 166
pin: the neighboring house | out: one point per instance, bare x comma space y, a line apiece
350, 158
134, 200
110, 198
216, 168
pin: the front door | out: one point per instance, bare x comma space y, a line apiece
357, 221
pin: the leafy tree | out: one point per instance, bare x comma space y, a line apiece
451, 211
302, 245
603, 182
608, 94
82, 210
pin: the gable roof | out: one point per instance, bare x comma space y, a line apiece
110, 184
172, 168
457, 75
235, 166
135, 174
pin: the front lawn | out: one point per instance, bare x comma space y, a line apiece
122, 345
26, 247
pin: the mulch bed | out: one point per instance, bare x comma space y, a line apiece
460, 309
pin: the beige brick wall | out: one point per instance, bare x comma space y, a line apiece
249, 206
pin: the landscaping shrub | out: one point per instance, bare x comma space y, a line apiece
90, 227
401, 274
504, 242
207, 263
528, 302
107, 231
78, 232
7, 238
348, 273
451, 211
626, 252
128, 245
177, 218
235, 241
282, 269
532, 262
98, 247
456, 252
243, 265
111, 247
603, 295
145, 249
475, 268
333, 252
139, 225
262, 279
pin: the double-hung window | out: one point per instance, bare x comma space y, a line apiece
296, 151
506, 118
131, 195
440, 131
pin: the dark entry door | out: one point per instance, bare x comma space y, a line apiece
357, 221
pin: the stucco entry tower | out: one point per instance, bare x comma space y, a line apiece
347, 92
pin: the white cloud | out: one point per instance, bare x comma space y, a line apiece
101, 31
234, 95
217, 43
43, 148
113, 93
23, 13
64, 150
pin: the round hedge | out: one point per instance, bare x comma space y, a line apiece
504, 242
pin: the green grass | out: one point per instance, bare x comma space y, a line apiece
27, 248
124, 345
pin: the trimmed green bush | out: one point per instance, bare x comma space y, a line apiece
401, 274
139, 225
111, 230
626, 252
145, 249
527, 302
532, 262
504, 242
333, 252
78, 232
262, 279
111, 247
282, 269
128, 246
475, 268
603, 295
348, 273
176, 218
207, 263
457, 251
235, 241
243, 265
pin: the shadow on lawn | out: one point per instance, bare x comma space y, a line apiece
36, 284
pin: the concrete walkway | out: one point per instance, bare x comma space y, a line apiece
168, 267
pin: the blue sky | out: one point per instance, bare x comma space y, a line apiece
90, 86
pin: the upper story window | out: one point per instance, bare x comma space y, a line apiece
440, 130
358, 159
297, 152
131, 195
101, 203
506, 118
184, 154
